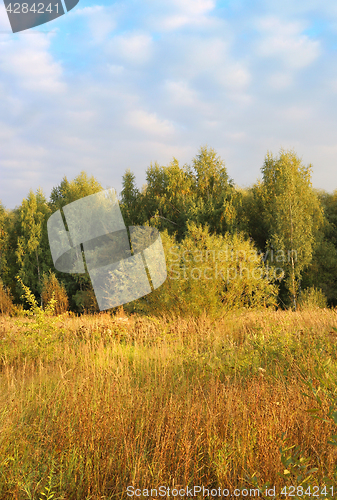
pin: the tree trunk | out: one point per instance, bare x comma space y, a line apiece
38, 275
292, 257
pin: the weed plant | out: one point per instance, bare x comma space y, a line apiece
91, 405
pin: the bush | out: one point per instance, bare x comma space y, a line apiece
86, 302
6, 301
312, 298
209, 273
51, 287
18, 311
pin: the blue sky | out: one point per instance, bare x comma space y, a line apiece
111, 86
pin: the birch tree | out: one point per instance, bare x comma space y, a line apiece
176, 194
293, 214
31, 249
69, 191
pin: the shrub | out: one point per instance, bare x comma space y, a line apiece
312, 298
6, 301
40, 331
210, 273
86, 302
51, 287
17, 311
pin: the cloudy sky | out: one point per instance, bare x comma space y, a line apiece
117, 85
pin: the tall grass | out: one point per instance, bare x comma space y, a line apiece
100, 403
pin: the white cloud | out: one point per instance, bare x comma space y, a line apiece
280, 80
101, 21
115, 69
300, 7
198, 66
173, 76
149, 123
194, 7
234, 76
83, 116
27, 61
88, 11
237, 136
189, 57
7, 133
5, 26
285, 41
135, 48
181, 94
296, 113
170, 15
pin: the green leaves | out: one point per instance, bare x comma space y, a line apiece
210, 272
176, 194
293, 214
67, 192
282, 216
40, 331
32, 249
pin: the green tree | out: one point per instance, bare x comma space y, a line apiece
322, 271
251, 216
329, 203
10, 267
67, 192
293, 214
211, 174
169, 197
215, 192
174, 195
76, 285
6, 300
130, 200
32, 246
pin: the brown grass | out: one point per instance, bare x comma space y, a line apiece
104, 403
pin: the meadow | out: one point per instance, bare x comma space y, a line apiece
92, 405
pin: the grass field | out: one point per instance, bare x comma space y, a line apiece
91, 405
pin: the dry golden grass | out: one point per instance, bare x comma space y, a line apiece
94, 404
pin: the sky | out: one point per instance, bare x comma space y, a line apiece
117, 85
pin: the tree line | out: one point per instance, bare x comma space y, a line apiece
289, 226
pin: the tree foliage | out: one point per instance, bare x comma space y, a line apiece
67, 192
291, 228
77, 286
208, 272
176, 194
32, 241
293, 214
